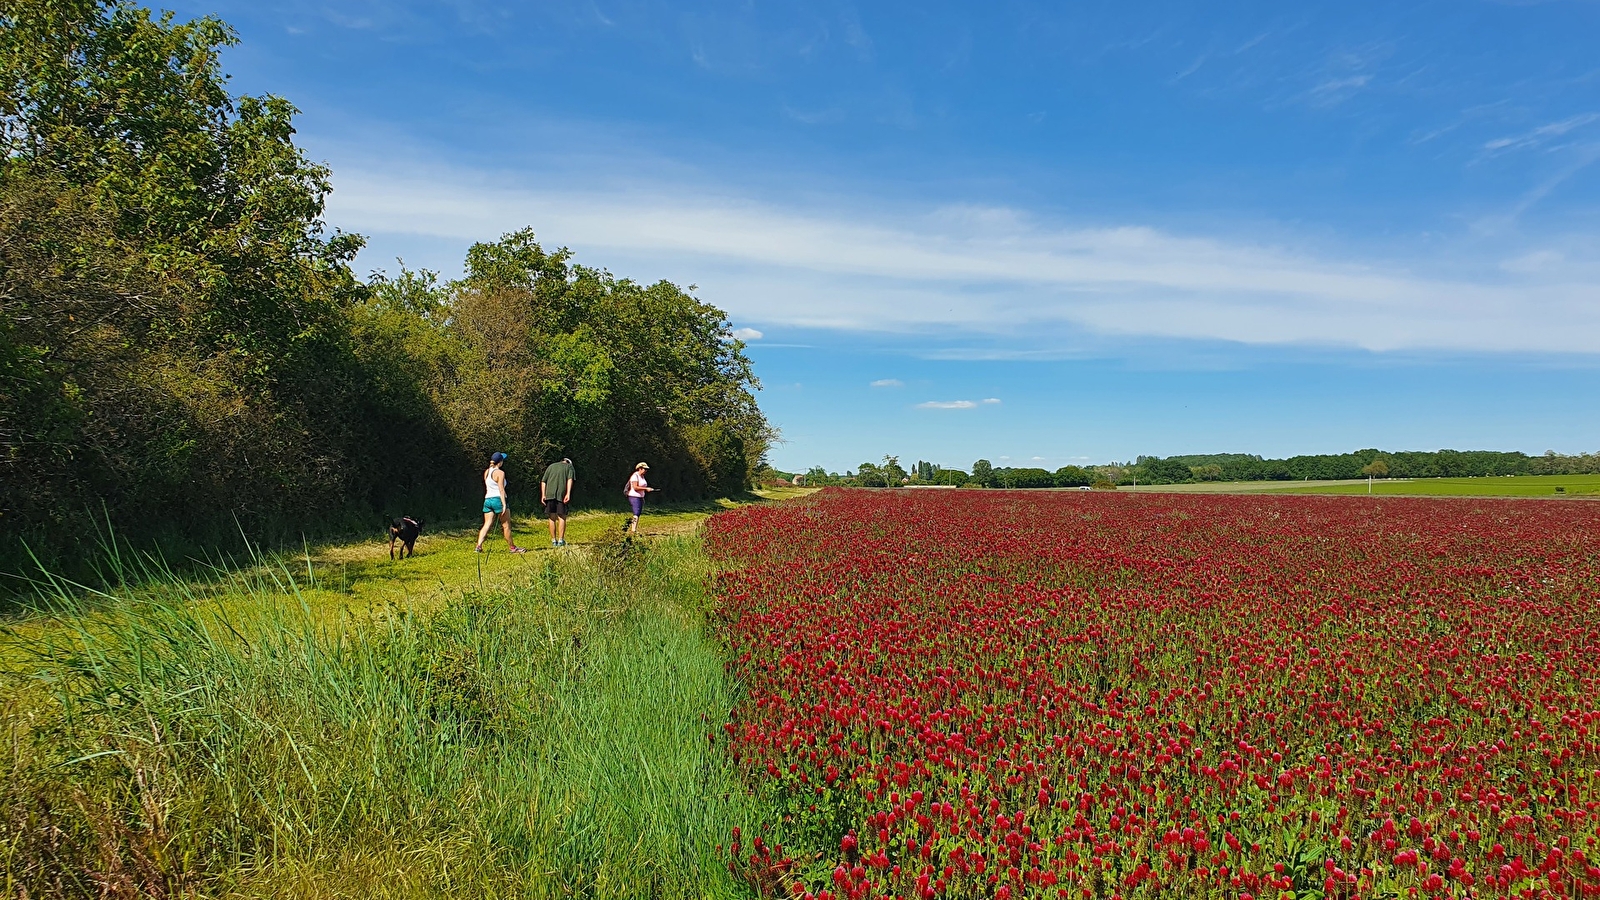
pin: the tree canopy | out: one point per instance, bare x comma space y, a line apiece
183, 342
1235, 467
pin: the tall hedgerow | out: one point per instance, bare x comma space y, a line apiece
184, 347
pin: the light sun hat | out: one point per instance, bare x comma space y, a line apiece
643, 465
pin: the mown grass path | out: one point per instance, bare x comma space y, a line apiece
337, 725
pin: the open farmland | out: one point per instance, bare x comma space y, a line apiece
1482, 486
1503, 486
1009, 695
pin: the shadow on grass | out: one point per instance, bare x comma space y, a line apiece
347, 561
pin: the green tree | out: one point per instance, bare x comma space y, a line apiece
134, 110
1030, 478
1073, 476
1156, 470
1375, 469
175, 336
570, 360
182, 339
892, 472
983, 472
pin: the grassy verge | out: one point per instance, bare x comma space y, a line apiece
351, 564
277, 734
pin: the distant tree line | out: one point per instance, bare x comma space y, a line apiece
889, 473
1359, 464
183, 344
1220, 467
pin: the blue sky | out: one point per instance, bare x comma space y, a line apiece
1038, 233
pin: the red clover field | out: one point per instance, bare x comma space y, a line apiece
1086, 695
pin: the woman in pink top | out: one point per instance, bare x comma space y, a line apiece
637, 488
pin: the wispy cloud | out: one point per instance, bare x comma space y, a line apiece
855, 35
1343, 73
1469, 116
989, 270
1337, 90
1584, 155
990, 401
1534, 261
359, 23
948, 404
831, 116
1540, 135
888, 383
746, 334
1190, 69
1252, 42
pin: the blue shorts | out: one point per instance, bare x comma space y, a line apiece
493, 505
638, 505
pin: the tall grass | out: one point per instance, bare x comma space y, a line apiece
543, 741
169, 550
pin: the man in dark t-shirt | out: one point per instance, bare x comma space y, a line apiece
555, 489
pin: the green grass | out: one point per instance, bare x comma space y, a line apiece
343, 726
358, 574
353, 569
1501, 486
1225, 487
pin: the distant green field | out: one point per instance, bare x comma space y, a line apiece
1503, 486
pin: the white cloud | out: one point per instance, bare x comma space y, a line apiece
965, 269
1336, 90
1539, 135
746, 334
947, 404
991, 400
1534, 261
888, 383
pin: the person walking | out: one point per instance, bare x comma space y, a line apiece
555, 490
495, 502
638, 487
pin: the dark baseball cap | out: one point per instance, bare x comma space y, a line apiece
497, 456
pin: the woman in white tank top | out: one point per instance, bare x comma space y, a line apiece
495, 502
636, 488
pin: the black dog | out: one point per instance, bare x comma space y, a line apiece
405, 530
